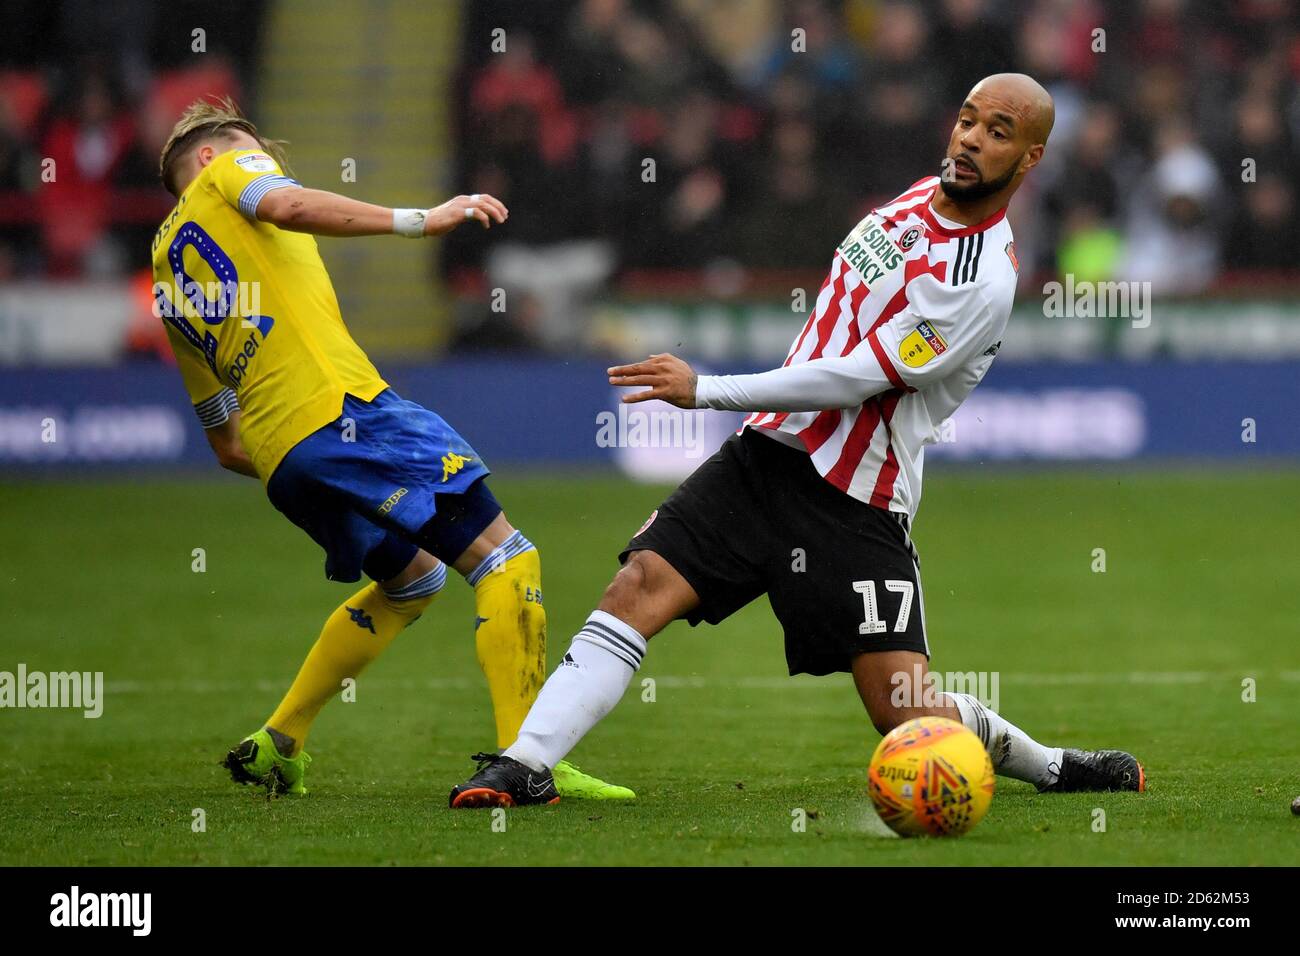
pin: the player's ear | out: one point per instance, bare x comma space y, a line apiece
1033, 156
205, 154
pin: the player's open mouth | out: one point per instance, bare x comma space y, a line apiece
963, 169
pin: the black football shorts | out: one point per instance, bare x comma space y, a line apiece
756, 518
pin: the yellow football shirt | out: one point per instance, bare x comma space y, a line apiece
251, 314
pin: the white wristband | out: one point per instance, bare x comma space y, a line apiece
409, 222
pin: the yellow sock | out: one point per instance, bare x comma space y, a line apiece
355, 634
510, 636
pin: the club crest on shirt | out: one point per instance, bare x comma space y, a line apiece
648, 522
908, 239
921, 345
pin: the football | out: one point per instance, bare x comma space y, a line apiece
931, 777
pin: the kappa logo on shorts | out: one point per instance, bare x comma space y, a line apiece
648, 522
393, 499
452, 463
922, 345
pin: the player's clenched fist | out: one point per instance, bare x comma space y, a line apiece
670, 380
480, 206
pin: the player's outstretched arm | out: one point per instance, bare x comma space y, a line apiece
839, 382
323, 213
939, 333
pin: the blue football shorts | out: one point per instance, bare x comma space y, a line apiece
384, 479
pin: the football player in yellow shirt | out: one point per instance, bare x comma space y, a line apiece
386, 487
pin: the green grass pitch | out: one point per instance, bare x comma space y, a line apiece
1201, 590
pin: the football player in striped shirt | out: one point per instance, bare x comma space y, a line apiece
387, 488
812, 502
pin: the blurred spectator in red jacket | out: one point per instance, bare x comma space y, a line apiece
80, 152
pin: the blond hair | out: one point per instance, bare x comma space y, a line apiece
204, 119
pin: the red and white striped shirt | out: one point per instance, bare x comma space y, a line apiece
905, 326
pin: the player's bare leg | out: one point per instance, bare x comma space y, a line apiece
510, 637
648, 594
892, 692
890, 702
645, 596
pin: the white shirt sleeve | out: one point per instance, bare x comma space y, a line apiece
941, 329
940, 332
840, 382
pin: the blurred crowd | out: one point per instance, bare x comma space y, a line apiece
632, 135
88, 94
636, 138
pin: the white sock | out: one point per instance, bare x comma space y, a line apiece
584, 688
1013, 752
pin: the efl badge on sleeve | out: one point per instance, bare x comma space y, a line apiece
921, 345
1010, 248
256, 163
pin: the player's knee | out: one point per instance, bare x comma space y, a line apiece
411, 597
630, 587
